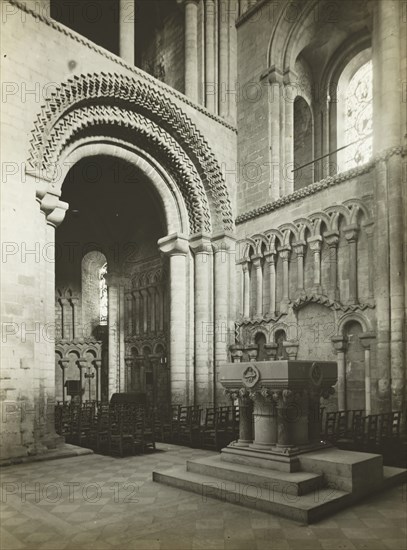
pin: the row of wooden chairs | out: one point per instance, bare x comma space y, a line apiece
210, 428
117, 429
357, 431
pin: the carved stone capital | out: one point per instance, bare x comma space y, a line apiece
174, 245
201, 243
270, 256
252, 352
271, 350
351, 232
223, 242
298, 247
53, 209
367, 339
291, 349
256, 260
332, 238
284, 254
339, 343
315, 243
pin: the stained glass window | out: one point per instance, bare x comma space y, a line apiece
103, 295
359, 117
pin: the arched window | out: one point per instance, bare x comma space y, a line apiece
103, 294
354, 110
94, 292
359, 117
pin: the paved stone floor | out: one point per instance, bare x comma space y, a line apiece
102, 503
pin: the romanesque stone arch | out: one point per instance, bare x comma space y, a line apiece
86, 101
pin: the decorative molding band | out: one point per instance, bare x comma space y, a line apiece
330, 181
155, 140
112, 57
325, 301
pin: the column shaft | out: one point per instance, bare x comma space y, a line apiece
210, 85
191, 49
127, 30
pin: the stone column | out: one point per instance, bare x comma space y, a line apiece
283, 399
136, 296
285, 256
271, 350
66, 325
366, 340
97, 363
129, 303
265, 422
191, 49
340, 348
144, 298
288, 139
276, 183
259, 285
113, 312
351, 234
246, 290
151, 292
332, 240
75, 317
270, 258
161, 295
176, 248
204, 326
223, 249
44, 367
236, 353
210, 84
245, 421
299, 250
223, 80
252, 352
122, 330
291, 349
129, 363
372, 264
82, 364
63, 363
315, 247
127, 26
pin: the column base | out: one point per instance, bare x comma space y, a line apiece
241, 443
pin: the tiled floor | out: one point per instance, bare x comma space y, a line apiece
98, 502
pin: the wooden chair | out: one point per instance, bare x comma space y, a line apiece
190, 429
121, 433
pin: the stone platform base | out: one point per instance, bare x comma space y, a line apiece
323, 482
61, 451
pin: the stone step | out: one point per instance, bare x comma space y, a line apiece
296, 483
304, 509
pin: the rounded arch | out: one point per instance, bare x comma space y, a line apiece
351, 318
140, 112
168, 194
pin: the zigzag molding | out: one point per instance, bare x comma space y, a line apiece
154, 140
302, 301
92, 90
